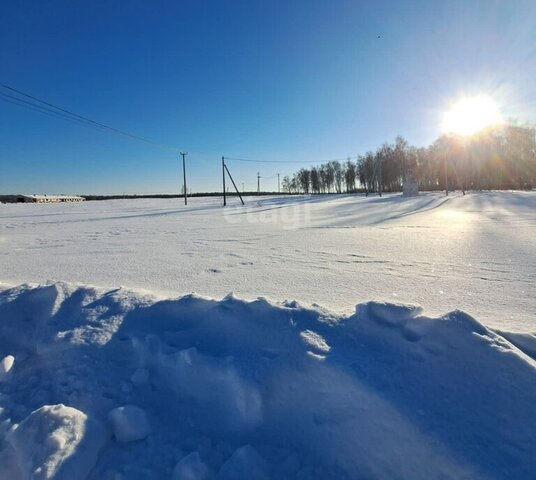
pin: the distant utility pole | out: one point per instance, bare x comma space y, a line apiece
380, 182
243, 187
446, 176
258, 183
184, 175
223, 173
278, 184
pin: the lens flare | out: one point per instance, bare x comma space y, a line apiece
470, 115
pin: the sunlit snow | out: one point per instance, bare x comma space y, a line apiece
475, 252
307, 371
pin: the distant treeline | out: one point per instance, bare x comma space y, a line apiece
8, 198
155, 195
159, 195
500, 157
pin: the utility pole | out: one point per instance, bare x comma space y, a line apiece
258, 183
234, 184
446, 176
380, 183
243, 191
278, 184
223, 176
184, 175
465, 171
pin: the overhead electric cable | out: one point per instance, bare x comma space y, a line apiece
76, 116
55, 111
290, 161
47, 111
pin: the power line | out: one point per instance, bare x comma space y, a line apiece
37, 108
55, 111
291, 161
69, 115
264, 161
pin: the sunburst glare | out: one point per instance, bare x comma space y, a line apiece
471, 114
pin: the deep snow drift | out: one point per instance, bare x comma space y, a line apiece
476, 253
115, 385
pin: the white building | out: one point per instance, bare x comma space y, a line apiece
43, 198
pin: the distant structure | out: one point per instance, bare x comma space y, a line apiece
41, 198
410, 187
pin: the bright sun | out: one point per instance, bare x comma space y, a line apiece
471, 114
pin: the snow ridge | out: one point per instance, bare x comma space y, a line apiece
114, 384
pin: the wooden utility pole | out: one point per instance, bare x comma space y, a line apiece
223, 176
258, 183
380, 183
446, 176
184, 176
278, 184
234, 184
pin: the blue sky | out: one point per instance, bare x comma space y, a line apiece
272, 80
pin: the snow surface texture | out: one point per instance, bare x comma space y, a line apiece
475, 252
252, 390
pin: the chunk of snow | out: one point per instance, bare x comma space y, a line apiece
57, 442
129, 423
390, 313
315, 341
140, 376
465, 321
213, 384
191, 467
6, 366
244, 464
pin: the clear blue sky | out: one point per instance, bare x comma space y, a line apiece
270, 79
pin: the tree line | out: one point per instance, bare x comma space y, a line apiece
499, 157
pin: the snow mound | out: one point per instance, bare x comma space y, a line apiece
236, 389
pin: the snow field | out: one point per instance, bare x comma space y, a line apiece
475, 252
116, 385
111, 384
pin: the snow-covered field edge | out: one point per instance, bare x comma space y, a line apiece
117, 384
